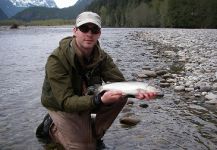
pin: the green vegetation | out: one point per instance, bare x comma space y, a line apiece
157, 13
49, 22
128, 13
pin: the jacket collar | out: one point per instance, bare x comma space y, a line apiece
72, 53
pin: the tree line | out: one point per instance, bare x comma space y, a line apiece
157, 13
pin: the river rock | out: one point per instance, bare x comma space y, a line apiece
214, 86
142, 75
205, 88
169, 53
166, 76
198, 108
143, 105
160, 94
149, 73
189, 89
129, 121
163, 85
212, 98
161, 72
179, 88
213, 101
171, 80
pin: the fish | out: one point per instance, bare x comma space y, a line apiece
130, 88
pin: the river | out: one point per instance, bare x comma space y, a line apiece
164, 125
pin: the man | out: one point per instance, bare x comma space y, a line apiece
76, 65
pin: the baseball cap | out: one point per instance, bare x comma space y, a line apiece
88, 17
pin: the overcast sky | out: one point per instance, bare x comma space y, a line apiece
65, 3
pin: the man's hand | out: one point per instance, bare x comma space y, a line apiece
111, 97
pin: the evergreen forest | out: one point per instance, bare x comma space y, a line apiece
157, 13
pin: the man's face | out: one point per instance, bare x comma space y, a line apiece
86, 37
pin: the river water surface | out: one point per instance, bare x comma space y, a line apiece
164, 124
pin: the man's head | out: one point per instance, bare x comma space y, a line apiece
88, 17
87, 31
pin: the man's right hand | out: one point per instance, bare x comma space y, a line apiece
111, 97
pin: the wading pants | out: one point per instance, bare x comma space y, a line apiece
78, 130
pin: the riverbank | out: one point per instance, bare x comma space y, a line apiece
192, 61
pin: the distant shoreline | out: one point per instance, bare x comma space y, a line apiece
50, 22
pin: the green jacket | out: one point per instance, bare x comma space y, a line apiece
62, 87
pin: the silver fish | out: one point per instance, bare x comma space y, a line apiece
128, 88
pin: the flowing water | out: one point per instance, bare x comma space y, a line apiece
164, 124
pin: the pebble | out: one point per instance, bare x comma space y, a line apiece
143, 105
149, 73
179, 88
129, 121
163, 85
161, 72
195, 50
211, 96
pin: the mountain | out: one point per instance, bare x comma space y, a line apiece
29, 3
8, 8
12, 7
2, 15
42, 13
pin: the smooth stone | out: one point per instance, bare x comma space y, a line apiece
143, 105
179, 88
149, 73
189, 89
161, 72
129, 121
211, 96
164, 84
213, 101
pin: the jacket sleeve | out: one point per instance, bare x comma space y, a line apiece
62, 90
110, 71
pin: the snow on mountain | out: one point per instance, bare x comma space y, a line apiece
28, 3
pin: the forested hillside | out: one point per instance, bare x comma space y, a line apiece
42, 13
157, 13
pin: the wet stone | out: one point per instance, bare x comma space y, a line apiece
163, 85
143, 105
214, 86
189, 89
146, 68
141, 75
166, 76
161, 72
212, 98
149, 73
205, 88
176, 101
198, 108
179, 88
129, 121
159, 94
171, 80
213, 102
